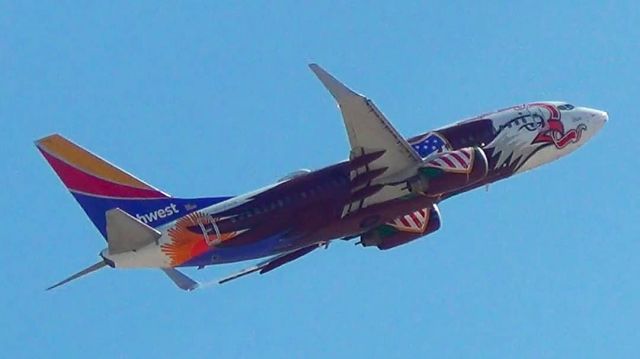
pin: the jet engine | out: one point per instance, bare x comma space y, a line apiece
403, 229
450, 171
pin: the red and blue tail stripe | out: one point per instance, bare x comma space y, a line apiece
79, 181
99, 186
84, 172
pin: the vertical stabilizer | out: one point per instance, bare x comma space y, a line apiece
100, 186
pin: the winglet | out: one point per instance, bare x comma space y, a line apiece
337, 89
182, 281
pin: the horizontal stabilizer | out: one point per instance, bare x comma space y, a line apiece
181, 280
126, 233
83, 272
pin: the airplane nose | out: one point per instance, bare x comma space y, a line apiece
597, 118
601, 115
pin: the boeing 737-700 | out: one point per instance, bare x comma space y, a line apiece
386, 193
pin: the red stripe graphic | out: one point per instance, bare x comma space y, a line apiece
77, 180
458, 158
447, 161
417, 221
459, 161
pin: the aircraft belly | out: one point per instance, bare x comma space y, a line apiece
268, 246
153, 256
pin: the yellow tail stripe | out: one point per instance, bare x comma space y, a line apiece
87, 162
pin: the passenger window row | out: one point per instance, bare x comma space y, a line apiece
289, 199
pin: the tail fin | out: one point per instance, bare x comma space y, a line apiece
83, 172
99, 186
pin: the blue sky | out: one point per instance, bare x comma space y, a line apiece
213, 98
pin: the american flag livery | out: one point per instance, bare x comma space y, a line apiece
432, 142
415, 222
459, 161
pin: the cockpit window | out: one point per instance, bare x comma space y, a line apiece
566, 107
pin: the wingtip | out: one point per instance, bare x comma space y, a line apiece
338, 90
320, 72
53, 287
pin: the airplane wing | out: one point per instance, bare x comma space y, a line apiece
188, 284
271, 263
370, 132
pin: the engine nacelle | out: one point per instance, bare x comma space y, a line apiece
403, 229
450, 171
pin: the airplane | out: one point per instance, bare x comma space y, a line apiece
386, 193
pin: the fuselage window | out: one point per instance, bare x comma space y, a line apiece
566, 107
